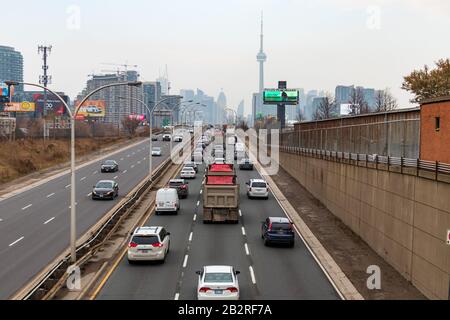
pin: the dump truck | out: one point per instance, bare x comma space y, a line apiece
221, 194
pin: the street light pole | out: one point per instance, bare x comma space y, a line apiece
72, 115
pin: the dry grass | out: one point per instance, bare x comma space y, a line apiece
22, 157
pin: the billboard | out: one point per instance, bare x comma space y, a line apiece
281, 96
140, 117
53, 104
4, 92
93, 109
19, 107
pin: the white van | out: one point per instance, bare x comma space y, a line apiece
167, 201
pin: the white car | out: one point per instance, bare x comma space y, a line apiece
166, 137
148, 244
156, 151
187, 173
177, 139
218, 283
257, 188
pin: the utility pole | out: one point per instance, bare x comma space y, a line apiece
45, 79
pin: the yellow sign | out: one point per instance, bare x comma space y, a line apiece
92, 108
20, 107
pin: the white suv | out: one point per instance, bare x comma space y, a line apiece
148, 244
257, 188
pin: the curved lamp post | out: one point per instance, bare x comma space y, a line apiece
73, 256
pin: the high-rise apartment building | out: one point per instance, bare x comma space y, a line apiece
11, 66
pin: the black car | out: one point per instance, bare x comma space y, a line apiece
246, 164
110, 166
278, 230
105, 189
154, 138
182, 187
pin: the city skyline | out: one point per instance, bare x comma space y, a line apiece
192, 64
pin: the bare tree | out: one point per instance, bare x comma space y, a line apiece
385, 101
130, 125
358, 103
326, 108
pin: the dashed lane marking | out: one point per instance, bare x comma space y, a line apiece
49, 220
247, 251
252, 274
185, 261
17, 241
243, 231
26, 207
50, 195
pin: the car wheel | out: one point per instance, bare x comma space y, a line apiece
130, 261
266, 243
292, 244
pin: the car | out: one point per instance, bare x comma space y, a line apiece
192, 165
154, 137
156, 151
278, 230
187, 173
166, 137
182, 187
167, 200
109, 166
257, 188
148, 244
177, 138
218, 283
105, 189
246, 164
191, 130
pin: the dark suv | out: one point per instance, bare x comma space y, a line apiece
278, 230
181, 186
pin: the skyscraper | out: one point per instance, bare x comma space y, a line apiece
11, 66
261, 58
240, 110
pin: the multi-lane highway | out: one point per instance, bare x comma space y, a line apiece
34, 225
266, 272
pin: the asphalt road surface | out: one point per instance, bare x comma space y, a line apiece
34, 225
266, 272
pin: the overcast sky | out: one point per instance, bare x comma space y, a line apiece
313, 44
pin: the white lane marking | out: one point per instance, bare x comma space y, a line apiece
128, 155
145, 158
50, 195
1, 219
132, 166
26, 207
252, 274
177, 296
190, 236
185, 261
115, 177
49, 220
89, 194
240, 213
84, 178
247, 252
201, 191
195, 217
67, 186
121, 159
243, 231
76, 203
198, 203
15, 242
125, 171
95, 172
138, 162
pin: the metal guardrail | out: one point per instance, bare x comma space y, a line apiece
50, 279
387, 163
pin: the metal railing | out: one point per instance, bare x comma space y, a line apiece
440, 170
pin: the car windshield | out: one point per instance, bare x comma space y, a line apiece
281, 226
259, 185
218, 277
175, 183
109, 162
188, 169
104, 185
156, 149
145, 239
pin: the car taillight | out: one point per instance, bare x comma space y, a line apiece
232, 289
270, 227
204, 289
132, 245
183, 187
157, 245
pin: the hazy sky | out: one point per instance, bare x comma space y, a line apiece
313, 44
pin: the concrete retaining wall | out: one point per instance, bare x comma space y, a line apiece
403, 218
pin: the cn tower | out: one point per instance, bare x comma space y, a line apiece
261, 58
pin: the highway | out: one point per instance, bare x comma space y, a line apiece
266, 272
34, 225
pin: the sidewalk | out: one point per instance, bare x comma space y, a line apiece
347, 249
